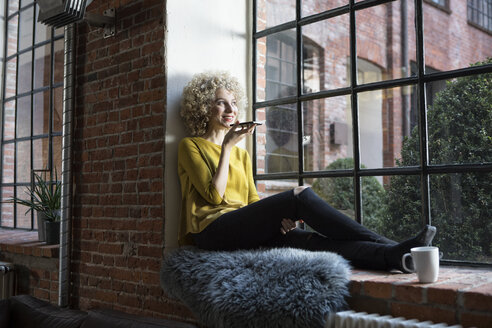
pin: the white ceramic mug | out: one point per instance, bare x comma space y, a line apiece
426, 263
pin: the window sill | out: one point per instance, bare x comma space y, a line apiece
26, 243
460, 296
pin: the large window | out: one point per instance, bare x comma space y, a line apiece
382, 108
480, 13
31, 105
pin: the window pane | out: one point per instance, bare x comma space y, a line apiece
260, 135
377, 44
24, 117
9, 120
276, 66
398, 214
24, 161
40, 153
42, 66
7, 209
58, 109
459, 120
8, 163
267, 188
25, 73
25, 30
57, 153
374, 206
326, 133
43, 32
11, 78
12, 26
277, 147
318, 6
41, 113
58, 69
326, 50
25, 3
2, 43
452, 43
338, 192
59, 31
312, 67
382, 143
461, 206
13, 6
23, 219
274, 12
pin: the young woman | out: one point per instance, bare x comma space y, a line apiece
221, 209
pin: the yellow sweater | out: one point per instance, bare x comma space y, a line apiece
201, 204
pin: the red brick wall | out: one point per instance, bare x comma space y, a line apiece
35, 264
119, 162
461, 296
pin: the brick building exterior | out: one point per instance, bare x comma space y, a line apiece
385, 116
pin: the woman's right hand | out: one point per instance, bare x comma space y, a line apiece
237, 133
286, 226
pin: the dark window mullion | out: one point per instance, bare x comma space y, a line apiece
253, 87
51, 105
421, 99
15, 115
32, 100
300, 127
355, 114
2, 95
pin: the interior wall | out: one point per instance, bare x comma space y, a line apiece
201, 36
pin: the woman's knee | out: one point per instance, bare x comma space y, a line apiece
298, 190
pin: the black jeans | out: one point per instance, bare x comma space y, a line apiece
258, 225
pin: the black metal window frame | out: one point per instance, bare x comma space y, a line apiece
424, 169
31, 93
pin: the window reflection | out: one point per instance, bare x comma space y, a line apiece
281, 65
282, 153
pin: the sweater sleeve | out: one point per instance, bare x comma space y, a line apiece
199, 174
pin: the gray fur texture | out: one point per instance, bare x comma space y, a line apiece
270, 288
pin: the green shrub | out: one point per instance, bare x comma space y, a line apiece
460, 130
339, 193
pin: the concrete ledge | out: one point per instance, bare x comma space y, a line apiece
26, 243
460, 296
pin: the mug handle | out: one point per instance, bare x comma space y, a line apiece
403, 262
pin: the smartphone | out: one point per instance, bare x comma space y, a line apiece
249, 123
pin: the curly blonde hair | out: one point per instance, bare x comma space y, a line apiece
198, 95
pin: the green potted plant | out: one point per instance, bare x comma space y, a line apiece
44, 197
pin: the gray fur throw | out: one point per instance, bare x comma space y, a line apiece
268, 288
